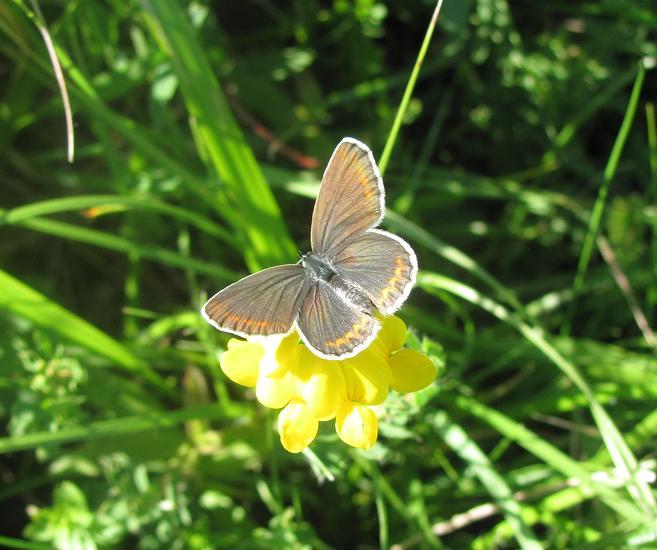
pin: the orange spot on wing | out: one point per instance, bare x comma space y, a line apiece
400, 268
250, 323
356, 332
363, 179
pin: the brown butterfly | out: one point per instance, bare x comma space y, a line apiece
332, 293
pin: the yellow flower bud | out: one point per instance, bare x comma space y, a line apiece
240, 362
411, 371
274, 391
297, 426
356, 425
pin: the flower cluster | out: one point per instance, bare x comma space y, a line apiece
308, 389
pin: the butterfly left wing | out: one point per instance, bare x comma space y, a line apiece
350, 199
265, 303
382, 265
333, 326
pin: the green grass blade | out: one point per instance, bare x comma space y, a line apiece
408, 92
550, 455
457, 438
618, 449
452, 254
609, 173
111, 428
396, 501
382, 515
502, 532
83, 202
9, 542
221, 138
87, 99
40, 22
651, 123
19, 299
126, 246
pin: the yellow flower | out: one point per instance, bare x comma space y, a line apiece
297, 426
288, 376
392, 335
367, 376
240, 362
274, 391
411, 370
320, 383
356, 425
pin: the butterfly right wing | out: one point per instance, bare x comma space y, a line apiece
332, 325
382, 265
350, 199
265, 303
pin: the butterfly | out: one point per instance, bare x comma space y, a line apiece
332, 294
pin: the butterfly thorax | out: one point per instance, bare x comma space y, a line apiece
317, 268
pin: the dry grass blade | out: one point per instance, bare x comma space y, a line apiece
624, 285
59, 75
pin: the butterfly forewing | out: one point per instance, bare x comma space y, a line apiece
350, 199
382, 265
264, 303
331, 326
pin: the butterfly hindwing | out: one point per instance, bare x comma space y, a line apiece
382, 265
331, 325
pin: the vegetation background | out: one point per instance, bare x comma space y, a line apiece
524, 174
